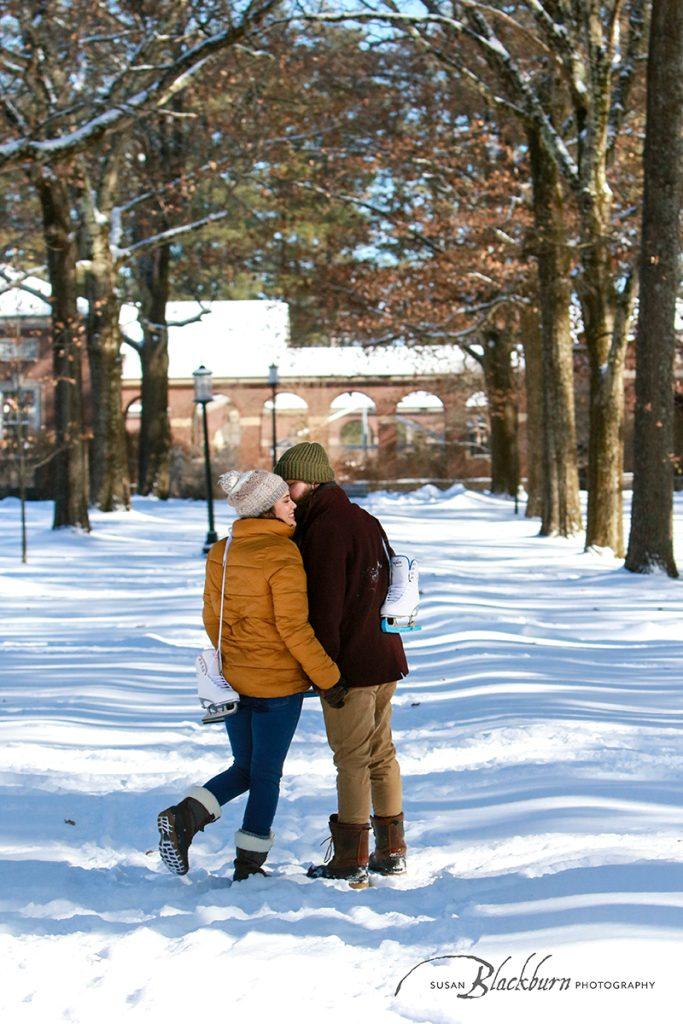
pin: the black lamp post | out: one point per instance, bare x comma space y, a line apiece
203, 394
273, 380
14, 408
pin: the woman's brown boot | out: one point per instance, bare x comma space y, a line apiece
389, 857
347, 855
251, 854
179, 824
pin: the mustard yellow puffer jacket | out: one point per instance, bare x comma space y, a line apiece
269, 648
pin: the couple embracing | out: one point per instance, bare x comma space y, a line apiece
307, 574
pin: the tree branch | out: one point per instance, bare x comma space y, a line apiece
626, 73
123, 112
154, 241
624, 311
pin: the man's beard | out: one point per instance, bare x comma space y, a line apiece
303, 502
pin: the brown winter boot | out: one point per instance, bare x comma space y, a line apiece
389, 857
179, 824
347, 855
251, 853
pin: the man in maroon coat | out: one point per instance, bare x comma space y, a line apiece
345, 554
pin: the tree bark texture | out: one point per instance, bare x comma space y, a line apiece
651, 535
70, 462
605, 333
561, 508
155, 427
531, 339
110, 480
500, 384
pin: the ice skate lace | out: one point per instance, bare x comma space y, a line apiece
395, 593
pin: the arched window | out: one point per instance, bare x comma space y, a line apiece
287, 401
420, 421
352, 421
477, 424
224, 423
291, 421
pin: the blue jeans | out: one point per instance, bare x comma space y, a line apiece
260, 734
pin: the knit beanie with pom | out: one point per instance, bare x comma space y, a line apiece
253, 492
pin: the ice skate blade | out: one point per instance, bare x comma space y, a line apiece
219, 714
391, 626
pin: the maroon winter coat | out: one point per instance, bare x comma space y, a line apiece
348, 578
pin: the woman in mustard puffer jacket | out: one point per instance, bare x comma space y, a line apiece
270, 655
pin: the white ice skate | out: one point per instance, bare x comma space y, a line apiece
403, 598
218, 699
215, 693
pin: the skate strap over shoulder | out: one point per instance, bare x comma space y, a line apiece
228, 541
388, 550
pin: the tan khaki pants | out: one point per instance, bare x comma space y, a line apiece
364, 754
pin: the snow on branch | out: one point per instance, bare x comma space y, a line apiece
565, 48
523, 97
18, 280
500, 59
484, 88
122, 112
626, 72
123, 255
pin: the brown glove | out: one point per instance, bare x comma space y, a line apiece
336, 695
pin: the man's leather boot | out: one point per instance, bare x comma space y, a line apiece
389, 856
347, 854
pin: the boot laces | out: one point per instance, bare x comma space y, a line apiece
329, 852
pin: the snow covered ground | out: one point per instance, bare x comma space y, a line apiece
539, 734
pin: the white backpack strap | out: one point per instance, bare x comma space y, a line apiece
220, 613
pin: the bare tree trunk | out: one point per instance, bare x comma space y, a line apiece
605, 332
651, 536
70, 462
604, 527
550, 509
502, 401
155, 427
109, 464
534, 414
561, 508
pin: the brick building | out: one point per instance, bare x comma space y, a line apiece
394, 406
389, 413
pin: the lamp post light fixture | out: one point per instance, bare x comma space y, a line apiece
203, 394
273, 380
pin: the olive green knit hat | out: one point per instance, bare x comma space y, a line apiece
307, 461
